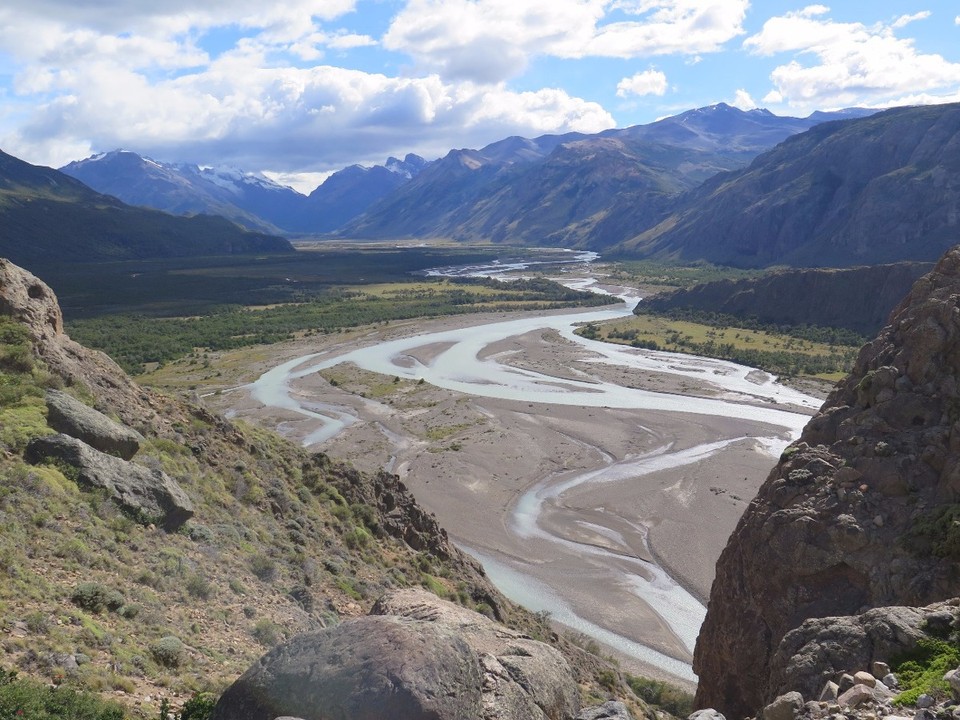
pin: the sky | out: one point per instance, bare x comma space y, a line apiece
302, 88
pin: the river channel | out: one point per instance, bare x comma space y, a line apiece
574, 538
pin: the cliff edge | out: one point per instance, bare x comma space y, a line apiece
861, 512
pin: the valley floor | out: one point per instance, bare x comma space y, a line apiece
589, 513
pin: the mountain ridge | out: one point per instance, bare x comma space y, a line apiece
47, 217
876, 189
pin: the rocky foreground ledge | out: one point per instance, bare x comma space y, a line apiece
862, 512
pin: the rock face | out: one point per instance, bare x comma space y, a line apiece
821, 649
72, 417
415, 657
150, 494
859, 513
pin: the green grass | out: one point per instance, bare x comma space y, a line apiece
922, 671
779, 353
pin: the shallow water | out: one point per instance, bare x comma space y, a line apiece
461, 363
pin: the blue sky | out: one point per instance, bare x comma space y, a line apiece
304, 88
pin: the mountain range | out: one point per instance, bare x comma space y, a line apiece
47, 217
877, 189
735, 187
586, 191
570, 190
249, 199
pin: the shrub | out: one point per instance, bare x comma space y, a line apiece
922, 670
198, 707
199, 587
95, 597
168, 651
668, 697
30, 700
266, 632
264, 568
356, 538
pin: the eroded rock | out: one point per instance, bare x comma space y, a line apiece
415, 657
71, 417
151, 495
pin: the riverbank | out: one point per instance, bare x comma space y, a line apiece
633, 492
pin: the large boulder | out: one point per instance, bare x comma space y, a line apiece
821, 649
861, 512
415, 657
151, 495
70, 416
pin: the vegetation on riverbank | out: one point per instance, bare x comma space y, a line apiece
135, 341
810, 352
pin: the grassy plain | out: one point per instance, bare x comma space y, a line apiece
779, 353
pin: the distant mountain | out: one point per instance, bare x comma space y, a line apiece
576, 190
872, 190
349, 192
47, 217
249, 199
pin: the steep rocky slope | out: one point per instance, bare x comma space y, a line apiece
858, 299
871, 190
150, 549
861, 512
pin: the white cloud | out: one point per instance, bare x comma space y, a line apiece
491, 40
905, 20
841, 64
742, 100
84, 86
287, 119
956, 20
648, 82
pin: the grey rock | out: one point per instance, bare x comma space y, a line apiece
890, 680
939, 622
953, 680
706, 714
418, 658
150, 494
925, 701
70, 416
924, 714
820, 649
856, 696
830, 692
845, 682
797, 554
785, 707
611, 710
879, 669
862, 677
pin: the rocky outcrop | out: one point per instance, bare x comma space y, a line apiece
71, 417
414, 657
30, 301
861, 512
822, 649
150, 495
